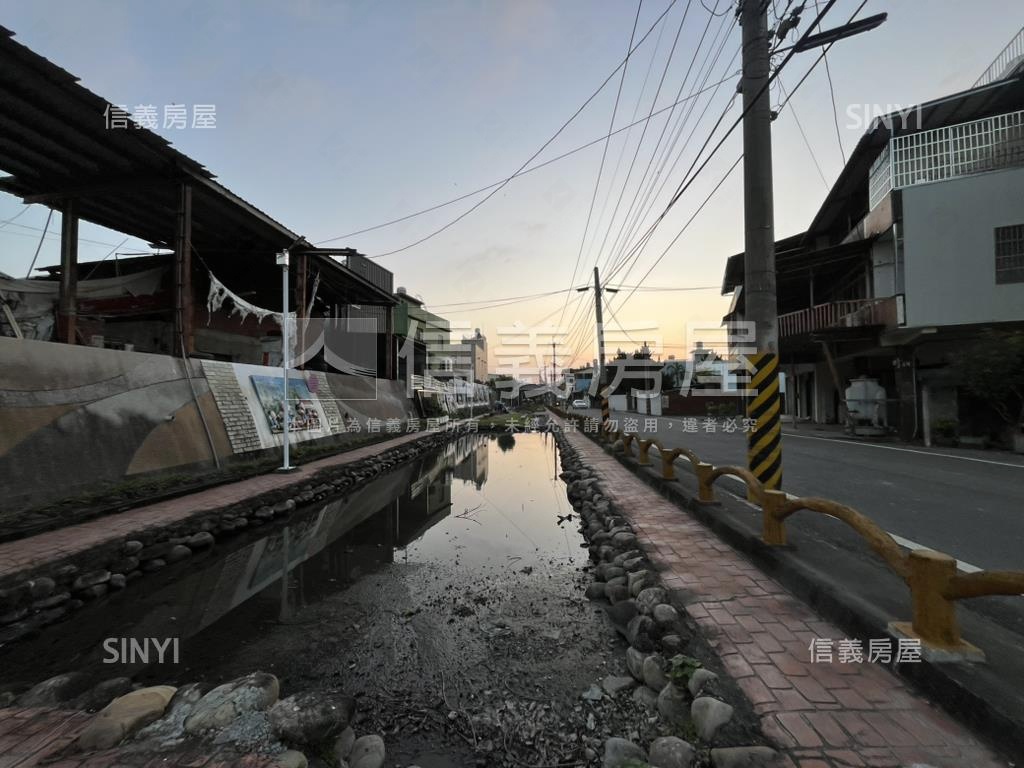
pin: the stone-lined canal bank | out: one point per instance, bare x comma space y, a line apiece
82, 563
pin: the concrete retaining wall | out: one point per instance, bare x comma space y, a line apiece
74, 418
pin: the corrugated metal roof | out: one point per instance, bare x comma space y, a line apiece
55, 142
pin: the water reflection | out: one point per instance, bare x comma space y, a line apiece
215, 601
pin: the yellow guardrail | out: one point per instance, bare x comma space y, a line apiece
933, 578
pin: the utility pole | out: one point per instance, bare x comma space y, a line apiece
283, 262
764, 443
554, 380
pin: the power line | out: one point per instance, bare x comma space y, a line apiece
544, 146
531, 169
40, 245
799, 125
604, 153
687, 182
629, 225
20, 213
832, 93
643, 134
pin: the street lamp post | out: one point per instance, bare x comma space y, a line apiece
282, 261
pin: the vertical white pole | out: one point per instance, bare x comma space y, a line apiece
282, 259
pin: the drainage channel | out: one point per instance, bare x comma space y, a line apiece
447, 597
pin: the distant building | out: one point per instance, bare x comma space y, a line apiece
477, 344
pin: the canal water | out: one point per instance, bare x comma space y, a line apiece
447, 596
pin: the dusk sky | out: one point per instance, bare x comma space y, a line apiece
334, 117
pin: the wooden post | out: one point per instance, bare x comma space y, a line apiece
67, 306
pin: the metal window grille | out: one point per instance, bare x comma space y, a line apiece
1010, 254
880, 178
958, 150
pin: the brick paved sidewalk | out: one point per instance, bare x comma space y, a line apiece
37, 737
16, 556
821, 715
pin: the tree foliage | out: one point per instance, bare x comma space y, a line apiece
993, 370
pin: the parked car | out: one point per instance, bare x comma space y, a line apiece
581, 403
500, 408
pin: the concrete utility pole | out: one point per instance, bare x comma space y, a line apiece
554, 381
600, 350
764, 446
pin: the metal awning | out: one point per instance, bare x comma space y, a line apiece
55, 143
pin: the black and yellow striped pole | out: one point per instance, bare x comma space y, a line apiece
764, 411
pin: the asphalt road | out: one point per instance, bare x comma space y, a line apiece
969, 504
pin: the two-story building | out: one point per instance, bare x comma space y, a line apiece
917, 249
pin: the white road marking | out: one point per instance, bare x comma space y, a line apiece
906, 450
965, 567
903, 542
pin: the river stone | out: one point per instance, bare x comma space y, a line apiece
53, 691
96, 590
664, 614
616, 593
118, 580
103, 693
311, 717
291, 758
153, 565
124, 565
709, 715
170, 728
673, 705
284, 507
344, 742
606, 552
699, 679
649, 598
671, 752
252, 693
624, 539
90, 579
627, 555
635, 663
367, 752
41, 588
614, 684
51, 601
154, 551
672, 644
638, 632
638, 581
124, 716
618, 752
201, 540
595, 590
654, 672
178, 553
633, 564
132, 547
609, 572
618, 581
622, 612
744, 757
646, 698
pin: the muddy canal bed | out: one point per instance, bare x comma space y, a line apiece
447, 597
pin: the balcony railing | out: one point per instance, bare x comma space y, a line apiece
840, 314
947, 153
1001, 67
